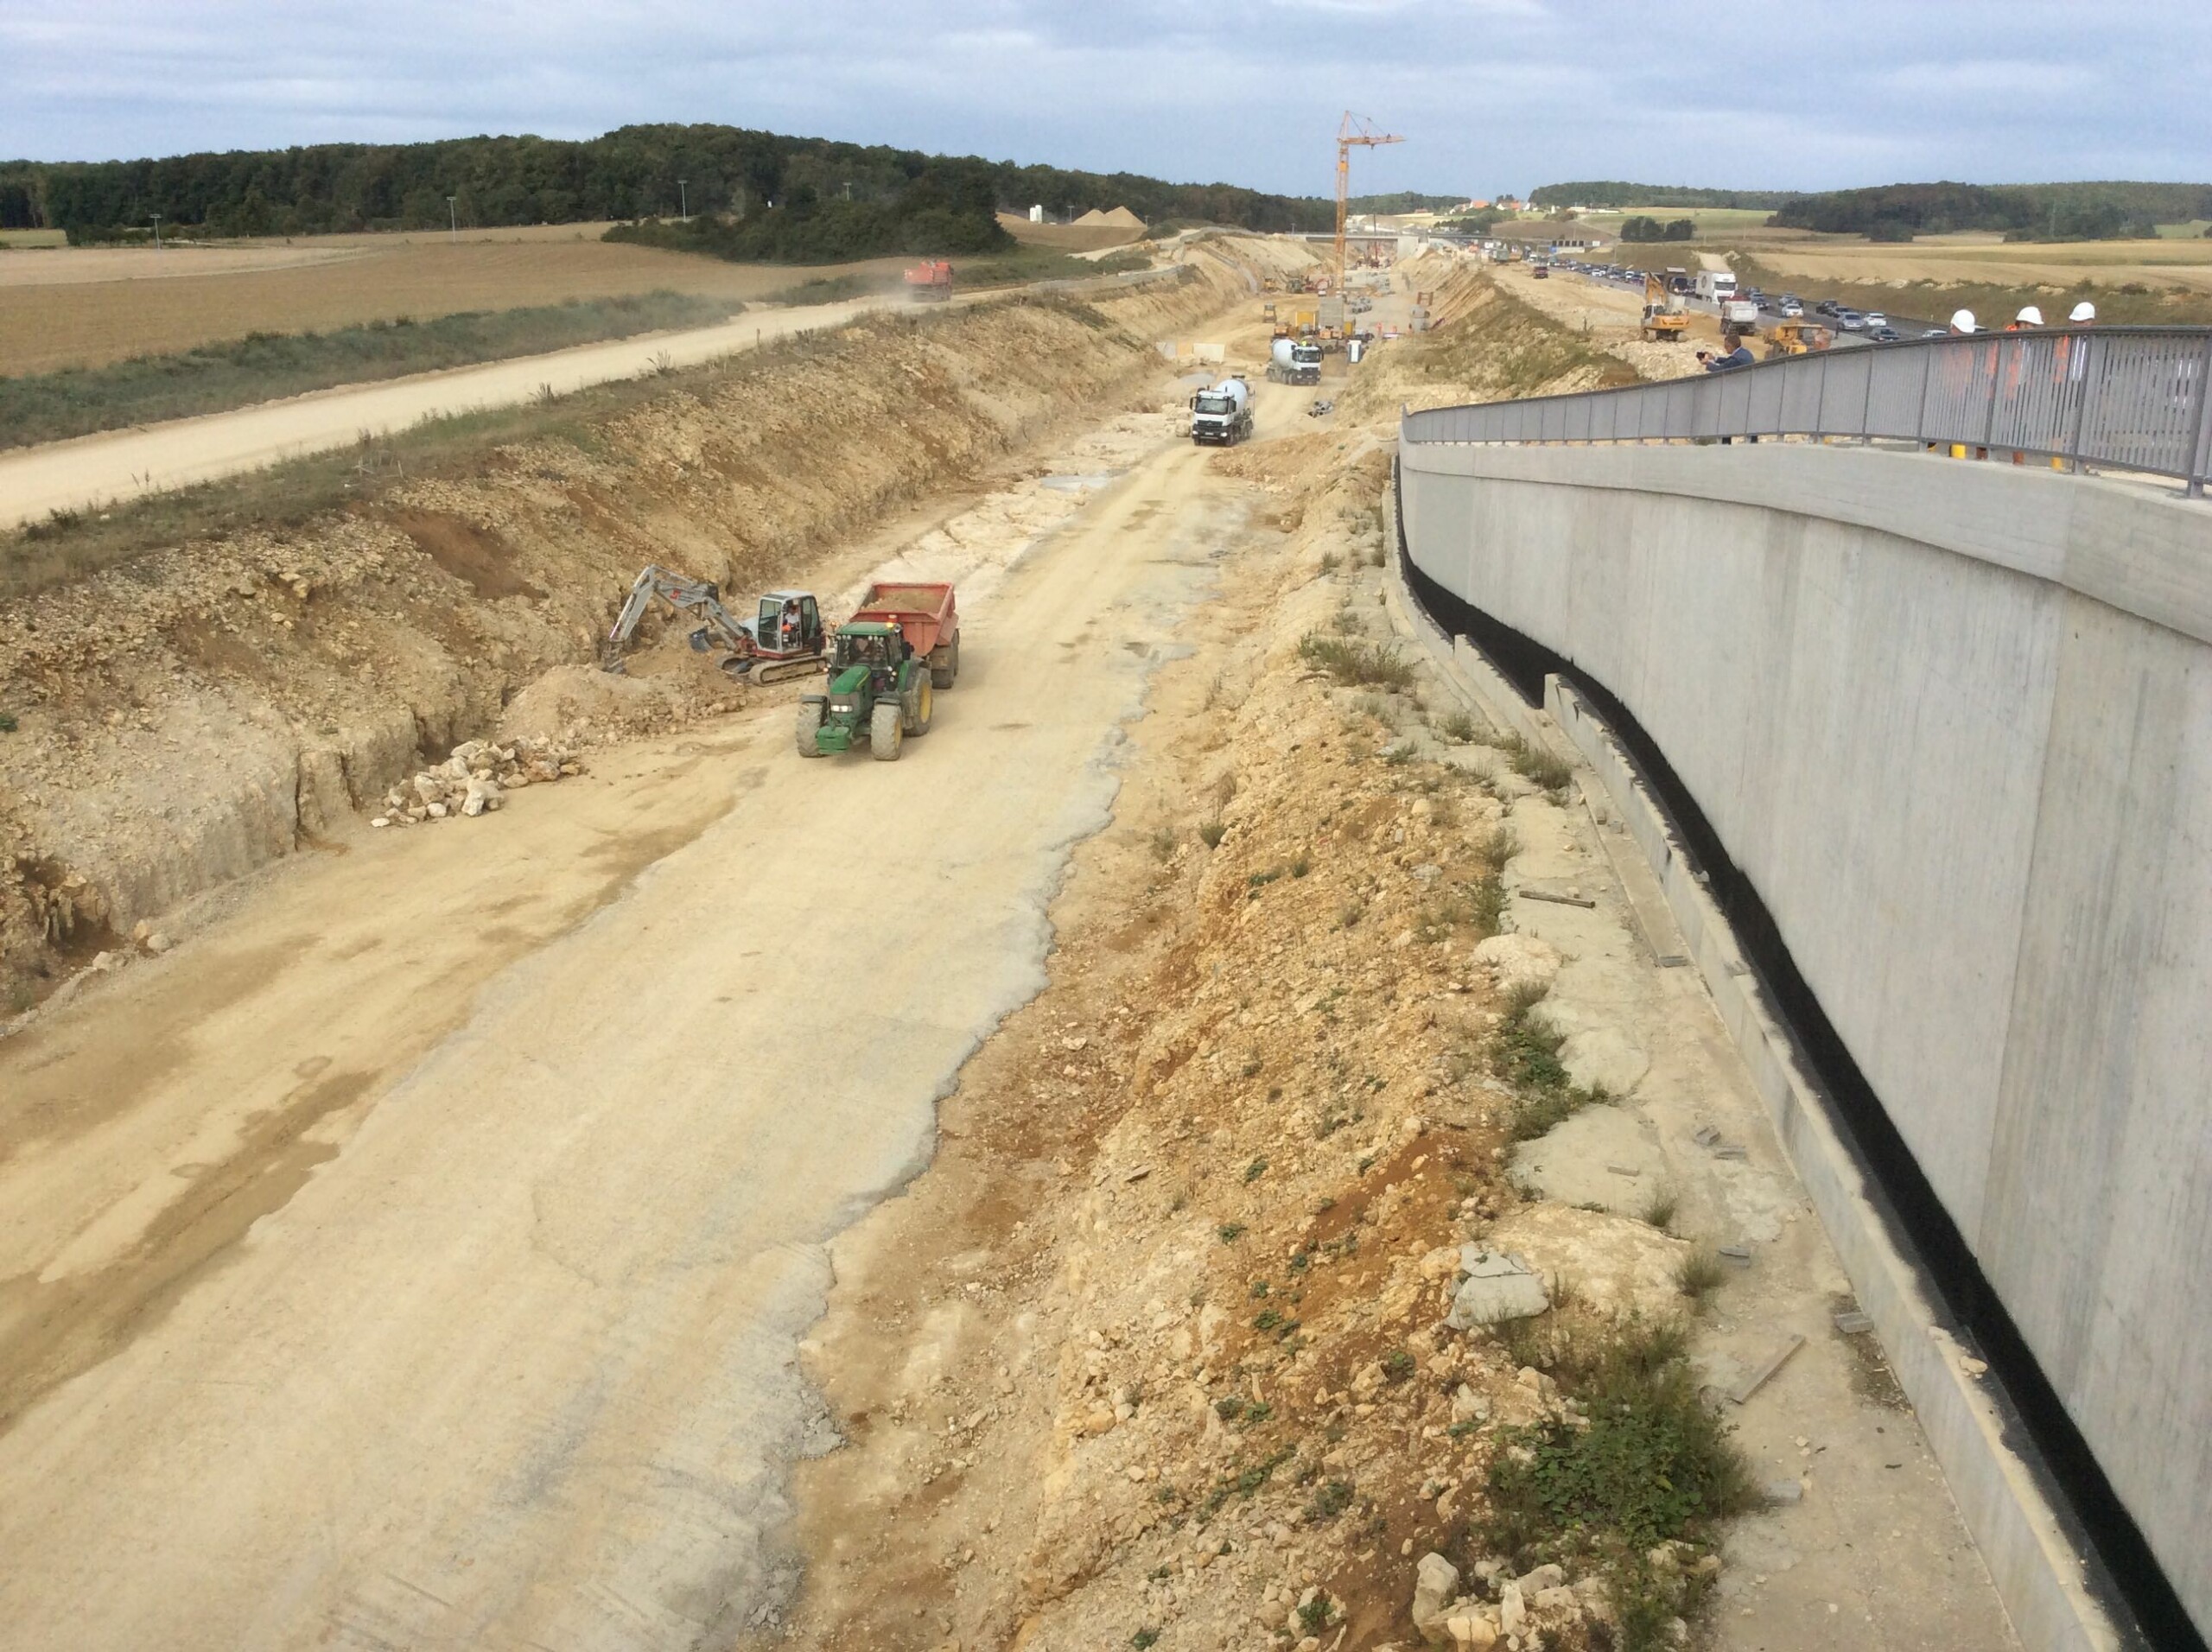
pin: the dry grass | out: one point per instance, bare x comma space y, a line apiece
112, 314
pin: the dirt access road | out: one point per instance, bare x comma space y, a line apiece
415, 1257
124, 464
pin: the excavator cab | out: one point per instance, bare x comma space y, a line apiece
789, 626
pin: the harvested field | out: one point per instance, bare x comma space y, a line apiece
113, 310
2157, 263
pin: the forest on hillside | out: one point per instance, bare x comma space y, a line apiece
1610, 193
636, 172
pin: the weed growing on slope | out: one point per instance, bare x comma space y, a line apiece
1652, 1466
1356, 664
1538, 764
1524, 1052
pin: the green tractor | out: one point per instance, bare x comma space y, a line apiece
878, 687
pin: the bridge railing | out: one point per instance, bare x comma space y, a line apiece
2125, 399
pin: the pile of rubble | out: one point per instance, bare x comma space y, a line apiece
475, 779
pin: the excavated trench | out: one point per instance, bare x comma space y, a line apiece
207, 709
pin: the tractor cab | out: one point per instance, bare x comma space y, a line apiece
789, 625
873, 645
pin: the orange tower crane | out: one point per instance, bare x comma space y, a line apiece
1355, 130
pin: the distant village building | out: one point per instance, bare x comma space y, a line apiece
1036, 214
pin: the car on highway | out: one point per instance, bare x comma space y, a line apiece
1827, 306
1791, 308
1851, 321
1935, 332
1884, 335
1876, 321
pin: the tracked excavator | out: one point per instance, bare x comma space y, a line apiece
785, 638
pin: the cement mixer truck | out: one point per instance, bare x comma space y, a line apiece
1222, 417
1295, 361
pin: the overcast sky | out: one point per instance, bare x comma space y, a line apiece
1490, 94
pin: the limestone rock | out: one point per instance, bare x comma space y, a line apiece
1519, 962
1498, 1287
1436, 1582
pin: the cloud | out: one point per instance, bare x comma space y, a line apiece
1490, 94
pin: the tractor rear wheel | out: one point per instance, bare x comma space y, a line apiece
887, 731
809, 725
944, 664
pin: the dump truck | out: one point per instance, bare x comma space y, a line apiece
1293, 361
929, 281
1221, 417
885, 664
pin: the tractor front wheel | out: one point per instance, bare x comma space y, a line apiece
809, 726
887, 731
921, 704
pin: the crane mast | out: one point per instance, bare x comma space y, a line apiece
1355, 130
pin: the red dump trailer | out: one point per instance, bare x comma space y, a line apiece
930, 279
927, 617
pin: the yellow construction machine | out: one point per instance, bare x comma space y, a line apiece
1664, 318
1796, 339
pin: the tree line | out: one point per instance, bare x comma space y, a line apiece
1650, 229
2062, 212
633, 173
1612, 193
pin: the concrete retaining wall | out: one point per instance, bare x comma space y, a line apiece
1953, 723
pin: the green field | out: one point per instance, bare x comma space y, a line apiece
33, 238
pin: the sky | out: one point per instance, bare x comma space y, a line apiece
1491, 95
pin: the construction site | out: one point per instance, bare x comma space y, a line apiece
877, 986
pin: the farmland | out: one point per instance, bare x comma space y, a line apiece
90, 306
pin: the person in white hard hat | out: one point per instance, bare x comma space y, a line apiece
2029, 316
2073, 362
1963, 324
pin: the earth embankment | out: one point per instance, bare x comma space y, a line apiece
208, 708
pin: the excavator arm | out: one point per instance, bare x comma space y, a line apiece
700, 599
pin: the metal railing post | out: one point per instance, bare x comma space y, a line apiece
1820, 401
2084, 343
2193, 472
1866, 402
1920, 419
1996, 378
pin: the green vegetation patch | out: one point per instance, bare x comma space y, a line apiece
1651, 1465
1357, 664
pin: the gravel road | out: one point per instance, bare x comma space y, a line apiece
415, 1257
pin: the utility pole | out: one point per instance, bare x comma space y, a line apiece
453, 217
683, 198
1357, 130
158, 231
848, 189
